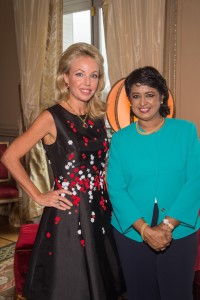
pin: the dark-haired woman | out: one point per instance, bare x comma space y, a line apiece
154, 185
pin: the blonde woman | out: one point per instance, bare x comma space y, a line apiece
74, 255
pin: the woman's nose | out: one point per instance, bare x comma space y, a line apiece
87, 80
142, 100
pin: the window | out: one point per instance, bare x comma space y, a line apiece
80, 26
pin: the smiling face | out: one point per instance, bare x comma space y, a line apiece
82, 79
145, 102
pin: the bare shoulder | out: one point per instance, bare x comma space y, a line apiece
46, 125
43, 126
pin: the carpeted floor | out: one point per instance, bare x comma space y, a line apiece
7, 283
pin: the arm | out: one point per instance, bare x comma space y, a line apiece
43, 127
185, 208
123, 205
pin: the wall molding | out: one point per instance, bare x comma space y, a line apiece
8, 132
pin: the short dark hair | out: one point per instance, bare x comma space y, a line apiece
149, 76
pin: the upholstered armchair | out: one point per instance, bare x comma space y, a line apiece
9, 191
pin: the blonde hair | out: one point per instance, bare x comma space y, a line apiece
96, 107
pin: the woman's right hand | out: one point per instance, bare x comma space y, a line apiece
55, 198
157, 238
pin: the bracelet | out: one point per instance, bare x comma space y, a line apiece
167, 222
142, 230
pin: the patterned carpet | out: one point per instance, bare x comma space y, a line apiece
7, 282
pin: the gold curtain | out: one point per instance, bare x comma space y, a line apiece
170, 44
39, 44
134, 34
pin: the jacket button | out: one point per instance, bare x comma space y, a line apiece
163, 209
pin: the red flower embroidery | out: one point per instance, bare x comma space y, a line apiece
82, 243
102, 203
57, 220
48, 235
90, 123
87, 185
71, 156
94, 167
85, 140
50, 253
76, 200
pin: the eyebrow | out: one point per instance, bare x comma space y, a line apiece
152, 92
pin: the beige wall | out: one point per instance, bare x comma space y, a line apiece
188, 61
188, 66
9, 72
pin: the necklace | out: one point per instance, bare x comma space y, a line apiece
85, 125
152, 131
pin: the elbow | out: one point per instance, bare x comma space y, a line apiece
5, 159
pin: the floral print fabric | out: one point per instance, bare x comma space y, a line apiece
75, 256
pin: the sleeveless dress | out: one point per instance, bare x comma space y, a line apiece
74, 255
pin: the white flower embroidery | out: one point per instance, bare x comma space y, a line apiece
92, 217
65, 184
70, 142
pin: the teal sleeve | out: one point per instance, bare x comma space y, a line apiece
123, 204
187, 204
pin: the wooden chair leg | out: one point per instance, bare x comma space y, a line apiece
196, 286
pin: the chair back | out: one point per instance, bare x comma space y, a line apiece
4, 173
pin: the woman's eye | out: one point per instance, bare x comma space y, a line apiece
94, 76
135, 96
150, 95
79, 74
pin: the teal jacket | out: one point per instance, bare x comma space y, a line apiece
164, 166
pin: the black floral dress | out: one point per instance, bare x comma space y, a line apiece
74, 256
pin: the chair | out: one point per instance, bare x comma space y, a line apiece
9, 191
22, 254
196, 285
